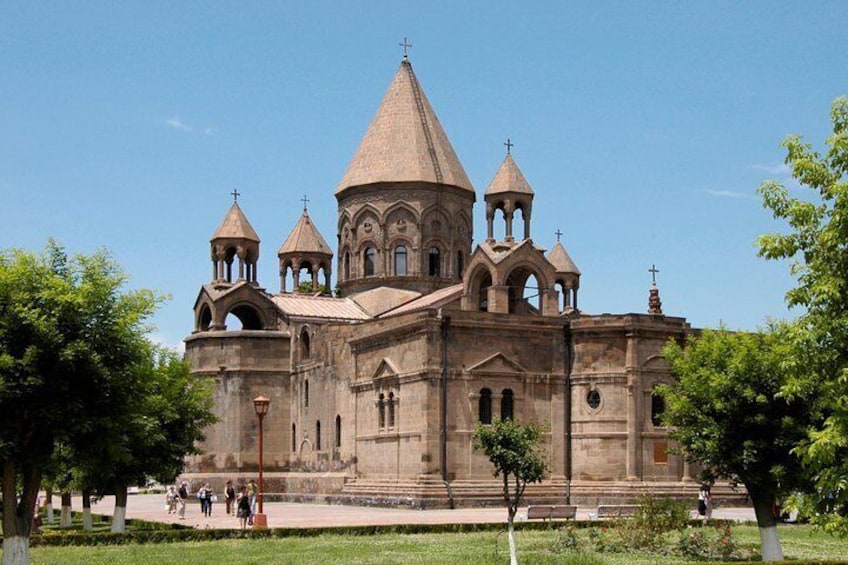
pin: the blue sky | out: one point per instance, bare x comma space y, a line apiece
644, 129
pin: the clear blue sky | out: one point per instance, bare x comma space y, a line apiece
644, 129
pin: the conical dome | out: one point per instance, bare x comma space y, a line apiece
561, 261
305, 239
509, 179
235, 226
405, 142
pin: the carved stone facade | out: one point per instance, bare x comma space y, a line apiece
375, 392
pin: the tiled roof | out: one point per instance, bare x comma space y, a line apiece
433, 300
381, 299
305, 306
405, 141
235, 226
509, 179
561, 261
305, 238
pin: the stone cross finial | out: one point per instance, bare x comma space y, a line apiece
406, 45
235, 194
304, 200
509, 145
653, 270
558, 234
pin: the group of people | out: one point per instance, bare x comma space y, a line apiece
243, 503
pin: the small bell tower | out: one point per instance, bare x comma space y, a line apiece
235, 239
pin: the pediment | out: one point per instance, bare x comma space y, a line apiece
385, 369
497, 363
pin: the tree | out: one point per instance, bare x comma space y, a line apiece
66, 326
513, 449
816, 243
163, 425
728, 415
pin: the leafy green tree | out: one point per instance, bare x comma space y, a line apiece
816, 243
163, 425
66, 332
514, 450
728, 415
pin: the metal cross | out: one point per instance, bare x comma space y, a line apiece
304, 200
406, 45
235, 194
653, 270
509, 145
558, 234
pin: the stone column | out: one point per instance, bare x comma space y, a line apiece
634, 425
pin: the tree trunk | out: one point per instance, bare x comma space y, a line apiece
769, 542
513, 558
18, 513
86, 510
119, 518
48, 507
66, 520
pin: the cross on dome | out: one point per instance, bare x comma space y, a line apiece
406, 45
235, 194
653, 270
509, 145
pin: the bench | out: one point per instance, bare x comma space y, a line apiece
617, 510
546, 512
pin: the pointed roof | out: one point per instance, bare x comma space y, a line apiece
235, 226
509, 179
561, 261
305, 238
405, 141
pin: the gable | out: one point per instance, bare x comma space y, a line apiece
385, 369
497, 363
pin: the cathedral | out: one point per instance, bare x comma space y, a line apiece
377, 382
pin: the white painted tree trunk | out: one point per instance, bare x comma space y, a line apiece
87, 524
119, 519
770, 544
16, 550
65, 518
48, 509
513, 558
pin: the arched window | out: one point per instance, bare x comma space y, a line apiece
460, 264
400, 260
370, 259
346, 267
205, 318
484, 406
229, 257
657, 408
318, 435
306, 394
338, 431
506, 404
434, 262
391, 410
294, 436
381, 411
305, 346
247, 316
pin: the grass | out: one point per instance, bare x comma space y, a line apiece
481, 548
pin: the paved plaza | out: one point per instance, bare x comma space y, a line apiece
299, 515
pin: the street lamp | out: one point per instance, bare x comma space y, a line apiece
260, 404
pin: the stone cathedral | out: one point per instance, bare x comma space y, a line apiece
377, 382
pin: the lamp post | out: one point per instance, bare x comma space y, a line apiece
260, 404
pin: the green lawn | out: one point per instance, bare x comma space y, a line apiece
799, 542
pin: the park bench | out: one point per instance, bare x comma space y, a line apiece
551, 512
617, 510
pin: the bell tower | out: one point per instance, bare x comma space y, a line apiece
235, 248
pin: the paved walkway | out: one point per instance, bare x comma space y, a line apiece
297, 515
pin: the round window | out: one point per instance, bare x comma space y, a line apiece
593, 399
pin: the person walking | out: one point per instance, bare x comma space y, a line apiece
210, 498
705, 506
230, 493
243, 507
182, 498
202, 497
252, 489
